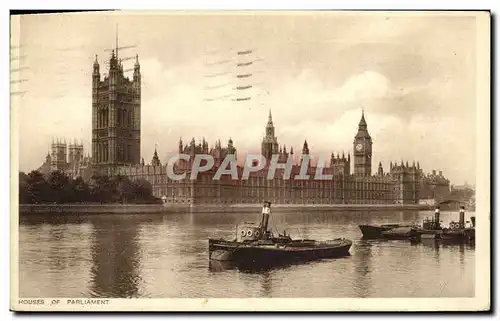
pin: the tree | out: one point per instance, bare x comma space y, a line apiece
80, 191
38, 190
60, 187
144, 192
24, 197
123, 189
101, 190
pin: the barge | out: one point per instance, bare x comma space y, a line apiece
376, 231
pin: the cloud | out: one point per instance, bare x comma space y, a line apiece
363, 87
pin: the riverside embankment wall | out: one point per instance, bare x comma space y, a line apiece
161, 209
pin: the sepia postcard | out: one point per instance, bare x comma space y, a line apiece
250, 161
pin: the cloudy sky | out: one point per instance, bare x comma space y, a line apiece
413, 75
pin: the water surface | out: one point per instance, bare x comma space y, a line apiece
166, 256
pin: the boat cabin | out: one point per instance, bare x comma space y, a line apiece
433, 224
253, 232
461, 221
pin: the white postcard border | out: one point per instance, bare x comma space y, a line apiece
480, 302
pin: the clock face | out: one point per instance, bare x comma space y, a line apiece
359, 147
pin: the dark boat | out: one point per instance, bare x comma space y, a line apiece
462, 235
259, 246
458, 231
431, 228
401, 233
375, 231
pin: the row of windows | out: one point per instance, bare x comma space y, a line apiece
123, 118
102, 152
275, 200
102, 118
208, 192
227, 187
259, 183
244, 189
259, 200
124, 153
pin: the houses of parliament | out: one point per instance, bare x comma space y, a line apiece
116, 145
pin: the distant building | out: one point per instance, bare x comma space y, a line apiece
74, 163
465, 194
434, 186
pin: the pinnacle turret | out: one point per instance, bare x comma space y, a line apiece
305, 148
363, 127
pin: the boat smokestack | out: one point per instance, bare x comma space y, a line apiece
436, 215
265, 216
462, 217
265, 221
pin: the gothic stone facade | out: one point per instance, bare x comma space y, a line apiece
401, 185
116, 123
116, 115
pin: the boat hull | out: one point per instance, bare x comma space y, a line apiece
276, 253
373, 231
402, 233
430, 234
462, 235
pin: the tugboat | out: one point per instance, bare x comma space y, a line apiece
458, 231
431, 228
257, 245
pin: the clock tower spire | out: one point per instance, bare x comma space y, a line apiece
362, 149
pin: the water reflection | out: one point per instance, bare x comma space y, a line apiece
56, 260
461, 254
362, 280
116, 255
266, 284
252, 267
115, 259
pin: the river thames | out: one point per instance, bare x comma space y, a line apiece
166, 256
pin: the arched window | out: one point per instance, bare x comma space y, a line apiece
105, 152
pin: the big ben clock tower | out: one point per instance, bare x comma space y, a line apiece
362, 149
